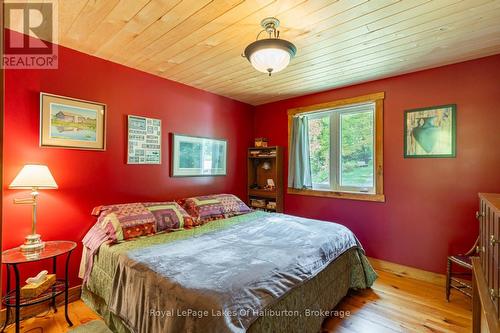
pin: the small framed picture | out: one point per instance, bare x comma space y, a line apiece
72, 123
144, 140
197, 156
430, 132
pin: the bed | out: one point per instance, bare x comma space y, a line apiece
257, 272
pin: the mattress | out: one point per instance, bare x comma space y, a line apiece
299, 308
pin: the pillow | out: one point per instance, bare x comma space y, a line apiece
170, 216
126, 221
204, 208
214, 207
232, 205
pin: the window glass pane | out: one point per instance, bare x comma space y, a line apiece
190, 155
356, 149
319, 151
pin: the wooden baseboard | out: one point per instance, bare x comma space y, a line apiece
406, 271
31, 311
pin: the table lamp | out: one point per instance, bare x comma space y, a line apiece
34, 177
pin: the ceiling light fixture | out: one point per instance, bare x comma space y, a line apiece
272, 54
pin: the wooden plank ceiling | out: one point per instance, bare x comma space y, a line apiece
199, 42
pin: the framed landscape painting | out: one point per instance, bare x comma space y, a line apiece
197, 156
72, 123
430, 132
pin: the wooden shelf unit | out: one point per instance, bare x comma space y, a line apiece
257, 175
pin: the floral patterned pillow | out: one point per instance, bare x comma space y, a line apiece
232, 205
213, 207
170, 216
204, 208
126, 221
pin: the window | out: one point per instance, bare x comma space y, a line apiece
341, 146
344, 140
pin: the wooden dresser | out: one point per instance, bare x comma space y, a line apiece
486, 278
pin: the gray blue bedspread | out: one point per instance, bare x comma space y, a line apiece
221, 281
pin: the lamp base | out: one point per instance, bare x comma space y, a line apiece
32, 243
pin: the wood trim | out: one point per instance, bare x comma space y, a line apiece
407, 271
378, 99
337, 103
338, 195
2, 111
487, 308
31, 311
379, 146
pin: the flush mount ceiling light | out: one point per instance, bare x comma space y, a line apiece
272, 54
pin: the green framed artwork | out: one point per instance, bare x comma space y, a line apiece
194, 156
430, 132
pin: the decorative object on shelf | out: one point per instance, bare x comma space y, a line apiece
38, 278
430, 132
271, 205
266, 165
34, 177
144, 140
198, 156
37, 285
258, 203
272, 54
260, 142
268, 153
270, 185
72, 123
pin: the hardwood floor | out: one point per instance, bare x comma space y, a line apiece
55, 322
396, 303
401, 304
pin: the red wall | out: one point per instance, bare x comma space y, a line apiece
430, 203
90, 178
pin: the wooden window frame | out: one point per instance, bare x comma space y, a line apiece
378, 100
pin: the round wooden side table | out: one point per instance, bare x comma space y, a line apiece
12, 258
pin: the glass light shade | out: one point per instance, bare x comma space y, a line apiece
34, 176
270, 60
270, 55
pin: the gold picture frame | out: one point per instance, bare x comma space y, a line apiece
72, 123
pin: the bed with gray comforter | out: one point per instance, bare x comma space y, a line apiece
259, 272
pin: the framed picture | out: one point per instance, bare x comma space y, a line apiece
198, 156
144, 140
72, 123
430, 132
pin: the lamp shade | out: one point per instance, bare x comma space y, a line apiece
34, 176
270, 55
